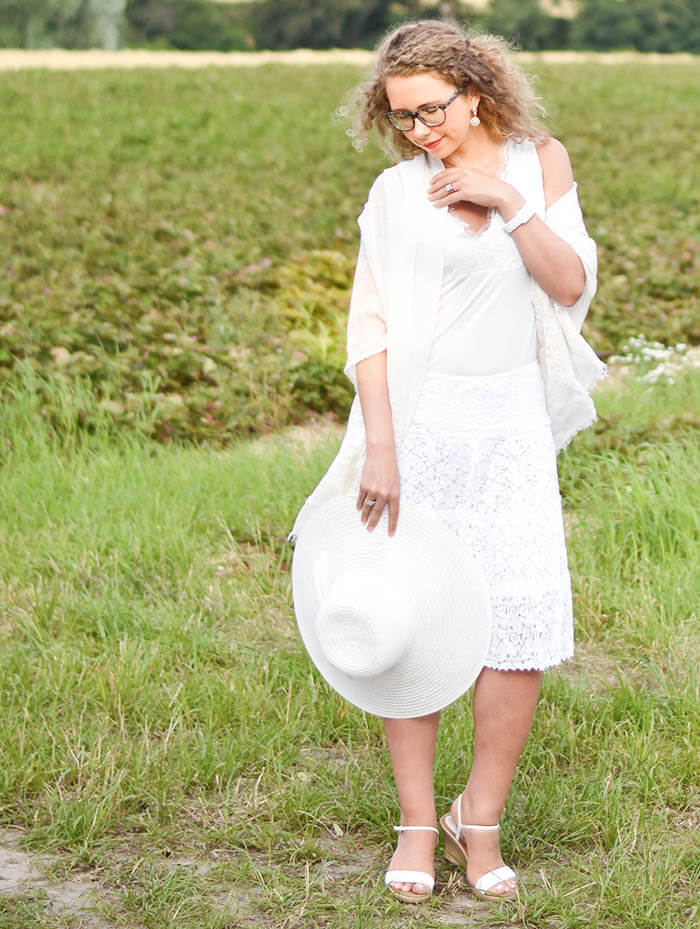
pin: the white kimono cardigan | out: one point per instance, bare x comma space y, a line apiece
394, 306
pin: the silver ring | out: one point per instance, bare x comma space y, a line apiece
369, 502
450, 188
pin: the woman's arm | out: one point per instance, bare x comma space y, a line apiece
550, 260
380, 474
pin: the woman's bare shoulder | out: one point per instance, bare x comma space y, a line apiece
557, 175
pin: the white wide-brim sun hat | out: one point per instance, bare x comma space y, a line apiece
399, 625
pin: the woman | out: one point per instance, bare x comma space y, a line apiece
474, 263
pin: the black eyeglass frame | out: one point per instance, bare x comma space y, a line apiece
415, 114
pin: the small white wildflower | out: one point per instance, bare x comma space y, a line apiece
657, 354
651, 377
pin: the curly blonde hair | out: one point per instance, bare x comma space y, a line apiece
509, 106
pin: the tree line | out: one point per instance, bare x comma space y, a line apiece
645, 25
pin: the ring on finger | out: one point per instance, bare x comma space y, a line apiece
370, 502
450, 188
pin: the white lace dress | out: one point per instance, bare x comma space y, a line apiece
479, 451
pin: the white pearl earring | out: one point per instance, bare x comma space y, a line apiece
475, 121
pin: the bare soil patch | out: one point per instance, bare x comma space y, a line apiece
22, 873
58, 59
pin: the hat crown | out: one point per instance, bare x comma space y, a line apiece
365, 624
399, 625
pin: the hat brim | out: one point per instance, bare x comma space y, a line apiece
433, 568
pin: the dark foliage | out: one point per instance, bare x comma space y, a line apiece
646, 25
47, 23
527, 23
319, 23
188, 24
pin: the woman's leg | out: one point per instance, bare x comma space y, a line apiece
412, 750
504, 704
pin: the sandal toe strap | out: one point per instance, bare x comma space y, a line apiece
489, 880
410, 877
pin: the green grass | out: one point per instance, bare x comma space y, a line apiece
162, 728
177, 252
185, 240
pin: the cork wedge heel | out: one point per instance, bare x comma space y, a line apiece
456, 853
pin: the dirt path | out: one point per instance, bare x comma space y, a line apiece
25, 874
64, 60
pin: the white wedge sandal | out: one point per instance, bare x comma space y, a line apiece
456, 853
411, 877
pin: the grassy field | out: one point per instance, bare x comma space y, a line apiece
177, 251
185, 240
164, 738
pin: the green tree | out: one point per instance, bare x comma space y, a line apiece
189, 24
647, 25
527, 23
34, 23
69, 23
319, 23
153, 19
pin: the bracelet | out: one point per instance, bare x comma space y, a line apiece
526, 211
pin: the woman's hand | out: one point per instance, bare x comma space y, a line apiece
454, 185
550, 260
379, 483
379, 487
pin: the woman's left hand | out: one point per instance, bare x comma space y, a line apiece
454, 185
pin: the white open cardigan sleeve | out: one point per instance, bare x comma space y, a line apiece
366, 333
564, 217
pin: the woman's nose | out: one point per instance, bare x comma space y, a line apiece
420, 131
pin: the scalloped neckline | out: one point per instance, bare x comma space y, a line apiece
504, 158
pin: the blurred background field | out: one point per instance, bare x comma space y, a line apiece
183, 242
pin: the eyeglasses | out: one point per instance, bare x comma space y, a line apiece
431, 115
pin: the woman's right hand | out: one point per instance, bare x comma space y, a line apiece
379, 483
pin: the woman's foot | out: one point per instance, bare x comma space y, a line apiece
415, 851
482, 850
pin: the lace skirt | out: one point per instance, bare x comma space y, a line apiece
479, 454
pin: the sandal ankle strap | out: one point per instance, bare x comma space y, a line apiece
417, 829
461, 825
